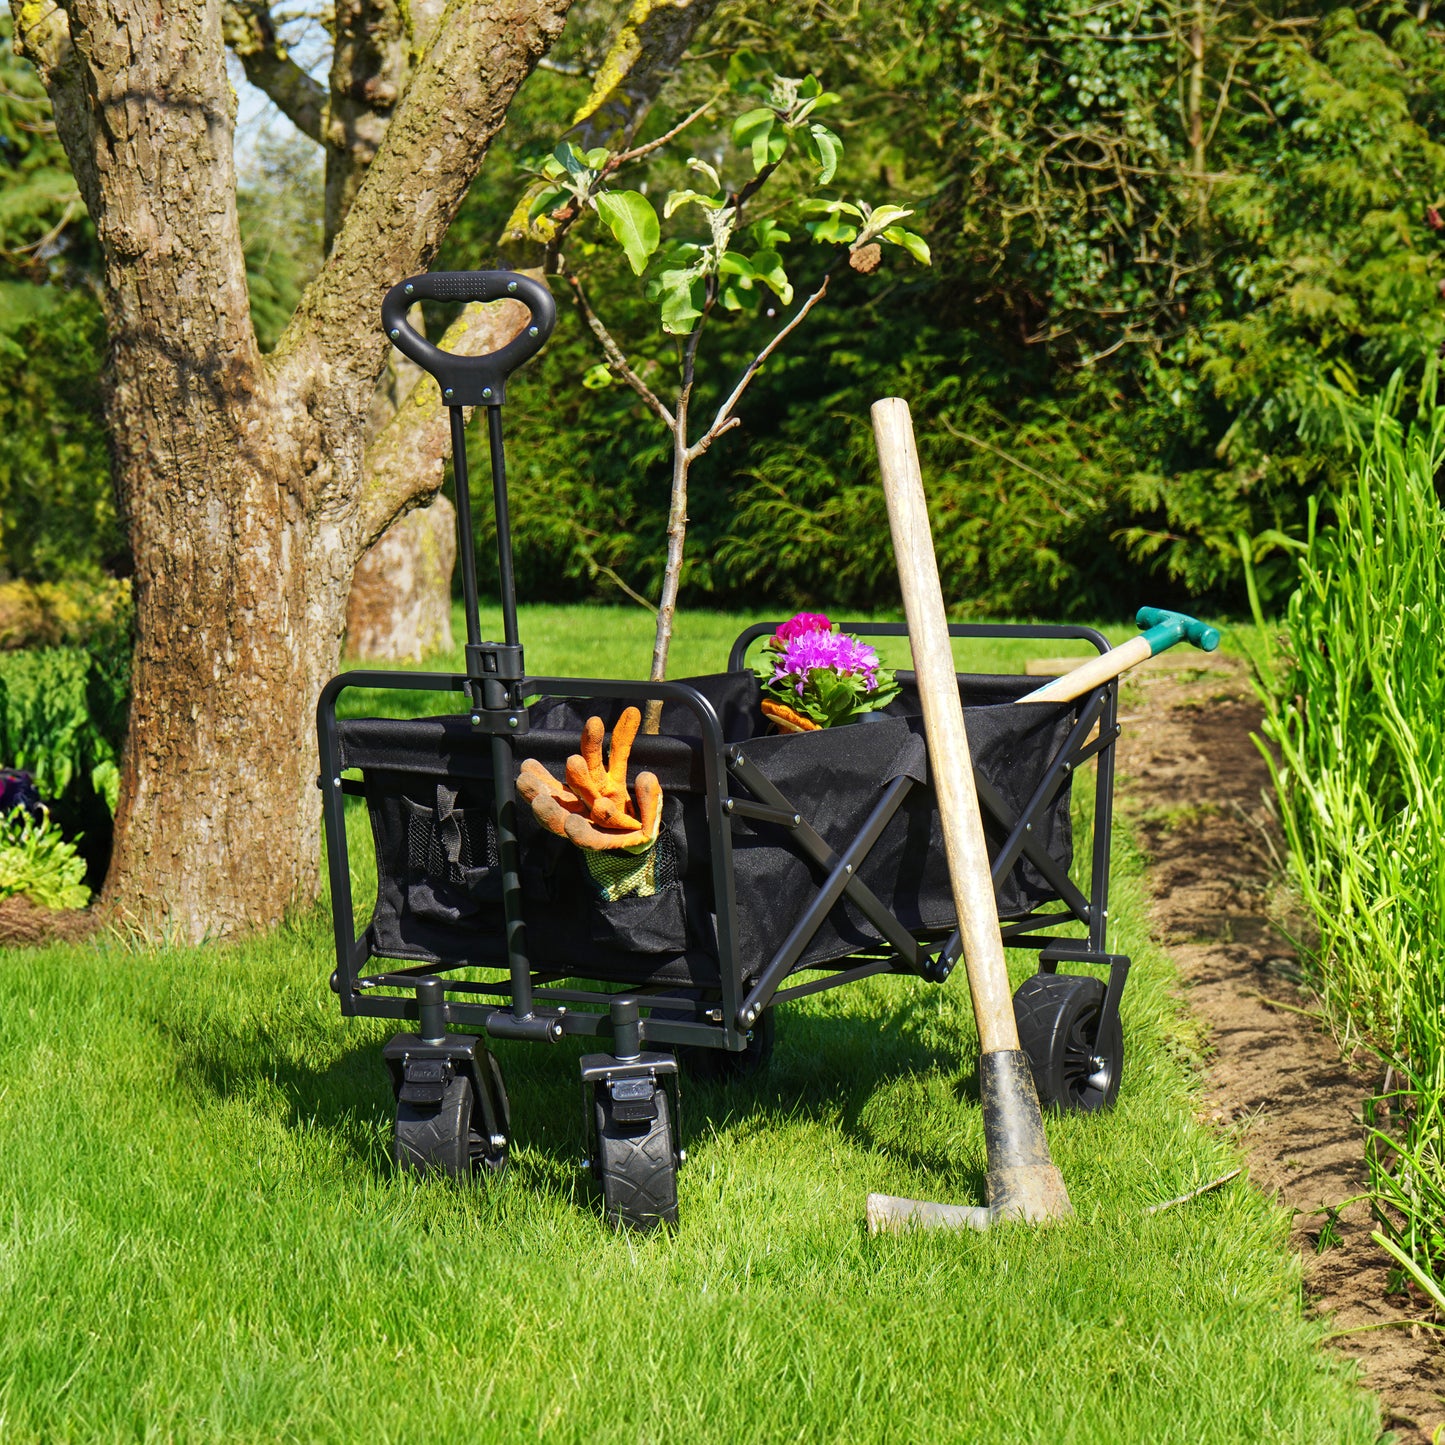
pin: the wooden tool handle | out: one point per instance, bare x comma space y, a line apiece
1090, 674
949, 764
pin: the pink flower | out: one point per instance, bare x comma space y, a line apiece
799, 625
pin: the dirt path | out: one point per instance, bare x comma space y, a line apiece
1193, 784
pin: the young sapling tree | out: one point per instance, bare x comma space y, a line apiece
721, 254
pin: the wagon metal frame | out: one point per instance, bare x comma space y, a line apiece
441, 1056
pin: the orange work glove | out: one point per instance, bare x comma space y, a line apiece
593, 809
785, 719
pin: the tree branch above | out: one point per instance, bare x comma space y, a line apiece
250, 32
432, 151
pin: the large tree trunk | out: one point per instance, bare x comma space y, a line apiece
400, 609
242, 477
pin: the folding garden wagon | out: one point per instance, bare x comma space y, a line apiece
785, 865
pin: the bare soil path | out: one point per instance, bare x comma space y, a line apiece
1194, 786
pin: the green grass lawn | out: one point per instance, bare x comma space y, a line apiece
204, 1238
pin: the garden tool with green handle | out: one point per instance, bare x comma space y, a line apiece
1164, 630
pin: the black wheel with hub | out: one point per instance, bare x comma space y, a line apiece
447, 1136
721, 1067
1076, 1060
637, 1156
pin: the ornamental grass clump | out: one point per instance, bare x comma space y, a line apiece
822, 674
1355, 708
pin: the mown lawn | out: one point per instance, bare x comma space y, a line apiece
204, 1239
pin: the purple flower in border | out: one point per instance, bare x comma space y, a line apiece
800, 625
834, 651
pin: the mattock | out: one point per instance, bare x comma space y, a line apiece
1023, 1181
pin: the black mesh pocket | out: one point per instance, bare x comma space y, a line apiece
637, 903
453, 873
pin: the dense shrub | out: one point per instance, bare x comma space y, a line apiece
62, 719
37, 862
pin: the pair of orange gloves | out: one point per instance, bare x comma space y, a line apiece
593, 809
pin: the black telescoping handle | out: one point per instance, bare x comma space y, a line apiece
469, 380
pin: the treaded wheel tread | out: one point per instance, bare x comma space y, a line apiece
436, 1139
638, 1170
1045, 1008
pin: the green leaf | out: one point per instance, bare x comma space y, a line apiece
735, 294
597, 158
598, 378
545, 200
766, 235
768, 268
809, 87
677, 199
833, 229
882, 216
750, 123
828, 150
744, 70
735, 264
682, 294
631, 219
758, 129
677, 255
914, 244
818, 206
571, 159
105, 779
703, 169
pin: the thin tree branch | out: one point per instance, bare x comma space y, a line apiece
613, 577
250, 32
642, 54
615, 357
638, 152
724, 420
434, 146
1193, 1193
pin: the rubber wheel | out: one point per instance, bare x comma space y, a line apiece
721, 1067
440, 1139
636, 1166
1074, 1068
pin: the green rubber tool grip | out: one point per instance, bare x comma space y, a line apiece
1165, 628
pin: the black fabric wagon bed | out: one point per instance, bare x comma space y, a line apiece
428, 787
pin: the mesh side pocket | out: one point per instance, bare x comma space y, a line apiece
637, 904
453, 872
621, 874
427, 852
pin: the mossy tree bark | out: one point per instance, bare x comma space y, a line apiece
244, 478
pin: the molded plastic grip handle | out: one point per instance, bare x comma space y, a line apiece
1165, 628
469, 380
